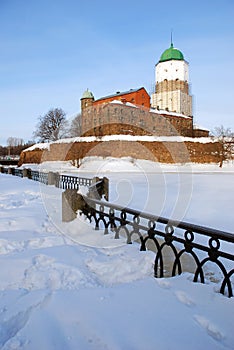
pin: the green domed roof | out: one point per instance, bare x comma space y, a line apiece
87, 94
171, 54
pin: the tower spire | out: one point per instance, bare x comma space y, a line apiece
171, 38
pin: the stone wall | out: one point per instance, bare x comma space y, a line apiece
112, 119
164, 152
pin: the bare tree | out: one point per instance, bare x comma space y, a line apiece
76, 126
225, 137
13, 142
52, 126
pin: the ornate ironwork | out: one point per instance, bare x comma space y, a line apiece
39, 176
17, 172
173, 242
71, 182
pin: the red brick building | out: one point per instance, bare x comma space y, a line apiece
139, 97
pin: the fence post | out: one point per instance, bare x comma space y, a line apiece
71, 202
25, 172
10, 171
29, 173
56, 177
106, 188
52, 178
98, 188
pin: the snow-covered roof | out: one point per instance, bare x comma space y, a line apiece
123, 103
199, 127
119, 93
151, 110
163, 112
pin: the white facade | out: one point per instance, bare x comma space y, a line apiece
172, 70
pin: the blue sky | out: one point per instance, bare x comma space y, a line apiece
51, 51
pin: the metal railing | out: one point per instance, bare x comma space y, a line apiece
71, 182
38, 176
178, 246
17, 172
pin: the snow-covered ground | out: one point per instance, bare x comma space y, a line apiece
67, 286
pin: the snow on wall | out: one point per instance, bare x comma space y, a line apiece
136, 138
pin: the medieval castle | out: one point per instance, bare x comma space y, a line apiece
168, 112
133, 124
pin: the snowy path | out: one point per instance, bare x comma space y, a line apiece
56, 294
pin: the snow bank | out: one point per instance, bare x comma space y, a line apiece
65, 291
128, 164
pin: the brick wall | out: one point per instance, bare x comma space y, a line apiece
138, 97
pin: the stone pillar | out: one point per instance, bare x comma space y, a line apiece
52, 178
10, 170
69, 205
71, 202
29, 173
25, 172
106, 188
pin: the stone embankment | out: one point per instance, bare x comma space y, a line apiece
164, 150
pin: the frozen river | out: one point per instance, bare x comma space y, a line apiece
199, 198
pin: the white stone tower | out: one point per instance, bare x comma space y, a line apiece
172, 83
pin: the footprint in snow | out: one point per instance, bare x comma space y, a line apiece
209, 327
163, 283
184, 298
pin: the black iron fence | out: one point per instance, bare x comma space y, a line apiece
178, 246
38, 176
71, 182
50, 178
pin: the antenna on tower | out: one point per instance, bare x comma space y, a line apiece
171, 38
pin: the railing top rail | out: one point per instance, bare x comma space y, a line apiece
207, 231
76, 177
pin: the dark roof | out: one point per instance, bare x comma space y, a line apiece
118, 93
